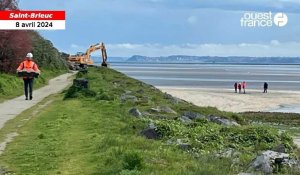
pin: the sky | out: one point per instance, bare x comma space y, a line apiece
173, 27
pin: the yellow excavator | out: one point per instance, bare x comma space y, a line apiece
82, 60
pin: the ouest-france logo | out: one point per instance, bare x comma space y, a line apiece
263, 19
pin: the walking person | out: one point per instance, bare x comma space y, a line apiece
266, 86
29, 70
240, 87
235, 87
244, 86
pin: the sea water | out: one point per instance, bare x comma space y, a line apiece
279, 77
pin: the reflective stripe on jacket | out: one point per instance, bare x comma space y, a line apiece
28, 66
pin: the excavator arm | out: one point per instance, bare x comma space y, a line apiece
94, 48
85, 59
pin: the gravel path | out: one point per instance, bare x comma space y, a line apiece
11, 108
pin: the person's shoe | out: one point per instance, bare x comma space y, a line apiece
30, 98
26, 98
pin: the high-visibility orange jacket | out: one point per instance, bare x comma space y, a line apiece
28, 66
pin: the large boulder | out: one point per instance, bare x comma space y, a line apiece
222, 121
185, 120
81, 82
183, 144
135, 112
268, 160
128, 98
150, 132
193, 115
173, 99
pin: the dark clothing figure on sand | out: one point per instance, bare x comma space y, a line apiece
235, 87
266, 86
240, 87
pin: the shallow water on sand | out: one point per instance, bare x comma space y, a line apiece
279, 77
287, 109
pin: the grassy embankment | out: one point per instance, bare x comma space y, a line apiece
49, 60
91, 132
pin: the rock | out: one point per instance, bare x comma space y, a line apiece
128, 92
193, 115
185, 120
152, 126
146, 114
183, 145
150, 132
3, 171
222, 121
141, 91
125, 98
163, 109
135, 112
143, 84
144, 100
170, 142
166, 109
81, 82
266, 161
153, 88
173, 100
154, 110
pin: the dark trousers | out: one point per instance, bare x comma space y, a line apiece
28, 83
265, 90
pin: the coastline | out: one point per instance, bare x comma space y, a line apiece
227, 100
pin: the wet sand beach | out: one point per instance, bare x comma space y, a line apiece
227, 100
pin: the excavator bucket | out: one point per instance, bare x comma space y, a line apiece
104, 55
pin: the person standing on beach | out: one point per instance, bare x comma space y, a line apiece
266, 87
235, 87
240, 87
244, 86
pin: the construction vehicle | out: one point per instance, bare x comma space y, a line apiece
82, 60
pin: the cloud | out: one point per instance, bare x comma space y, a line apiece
192, 19
275, 43
74, 46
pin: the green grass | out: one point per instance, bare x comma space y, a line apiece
95, 138
12, 86
291, 119
289, 122
91, 132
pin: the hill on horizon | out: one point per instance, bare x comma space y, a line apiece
214, 59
